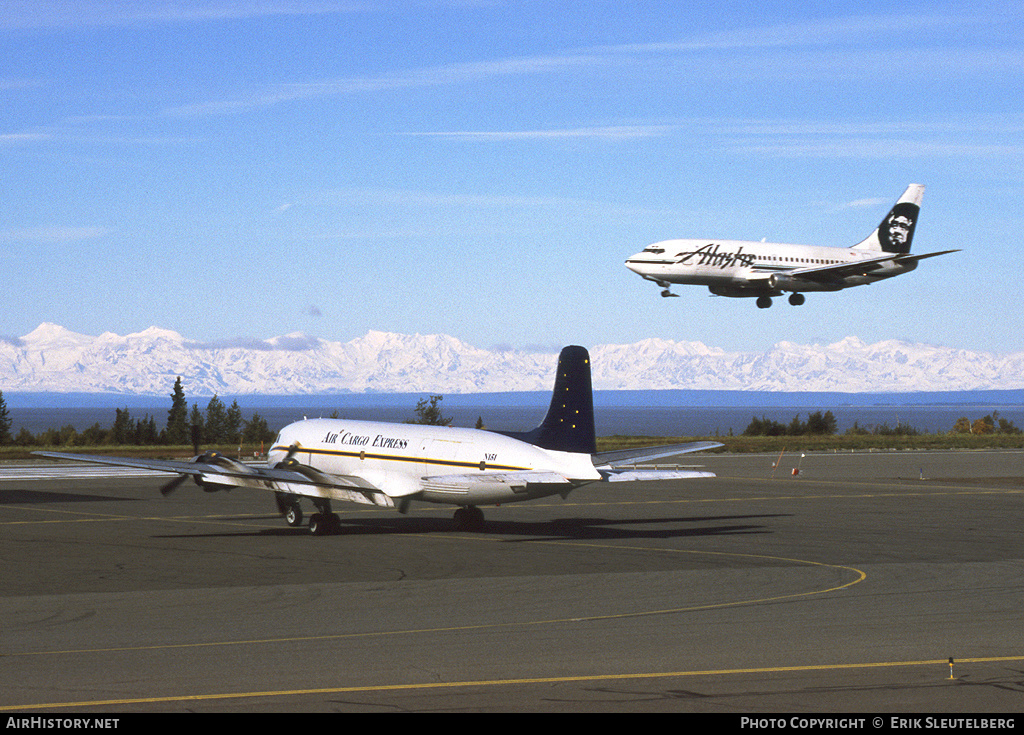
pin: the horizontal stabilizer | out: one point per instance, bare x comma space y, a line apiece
914, 258
622, 457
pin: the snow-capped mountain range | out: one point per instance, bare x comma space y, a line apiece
54, 359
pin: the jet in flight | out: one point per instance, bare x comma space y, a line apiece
763, 270
390, 465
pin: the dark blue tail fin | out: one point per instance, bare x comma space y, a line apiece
569, 424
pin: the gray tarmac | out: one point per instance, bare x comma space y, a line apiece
843, 589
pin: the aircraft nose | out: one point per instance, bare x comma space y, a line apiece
635, 264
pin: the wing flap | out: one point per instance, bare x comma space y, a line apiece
640, 475
517, 481
838, 271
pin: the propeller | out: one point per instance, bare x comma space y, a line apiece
171, 486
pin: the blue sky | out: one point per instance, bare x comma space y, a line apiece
483, 168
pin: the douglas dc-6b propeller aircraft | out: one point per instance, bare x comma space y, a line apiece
765, 269
390, 465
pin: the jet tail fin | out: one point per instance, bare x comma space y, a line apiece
569, 423
896, 231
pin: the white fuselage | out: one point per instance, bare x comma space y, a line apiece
737, 266
402, 459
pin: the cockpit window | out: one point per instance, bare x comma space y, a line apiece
654, 250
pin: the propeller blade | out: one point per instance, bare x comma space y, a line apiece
171, 486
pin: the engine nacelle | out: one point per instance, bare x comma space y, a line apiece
784, 282
211, 483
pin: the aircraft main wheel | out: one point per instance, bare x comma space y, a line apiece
797, 299
322, 524
293, 515
763, 302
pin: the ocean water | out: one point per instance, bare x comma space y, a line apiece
654, 413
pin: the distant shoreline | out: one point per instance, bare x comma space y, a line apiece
622, 413
651, 398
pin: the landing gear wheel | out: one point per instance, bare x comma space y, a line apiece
797, 299
763, 302
323, 524
293, 515
469, 518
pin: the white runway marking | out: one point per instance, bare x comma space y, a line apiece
70, 472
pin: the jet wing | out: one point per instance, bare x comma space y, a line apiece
839, 271
216, 472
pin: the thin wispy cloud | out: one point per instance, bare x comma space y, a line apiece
864, 203
435, 76
867, 139
53, 235
826, 32
831, 48
609, 132
27, 14
12, 139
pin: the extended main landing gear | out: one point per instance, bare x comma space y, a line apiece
321, 523
469, 518
796, 299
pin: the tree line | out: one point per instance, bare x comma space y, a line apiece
217, 425
824, 424
817, 424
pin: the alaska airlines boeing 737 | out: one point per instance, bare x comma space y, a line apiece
762, 270
390, 465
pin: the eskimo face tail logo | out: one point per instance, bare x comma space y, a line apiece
897, 230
